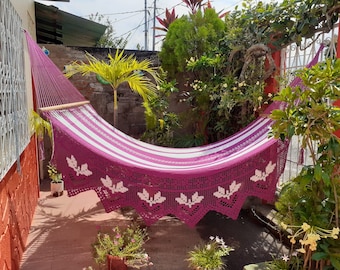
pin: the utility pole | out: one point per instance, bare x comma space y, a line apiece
154, 25
146, 26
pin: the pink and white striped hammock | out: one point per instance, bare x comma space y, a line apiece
156, 181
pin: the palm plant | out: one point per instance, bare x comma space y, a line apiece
117, 70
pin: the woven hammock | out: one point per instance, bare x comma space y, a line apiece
156, 181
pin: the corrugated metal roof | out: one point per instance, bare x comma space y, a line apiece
59, 27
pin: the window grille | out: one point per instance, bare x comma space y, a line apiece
14, 121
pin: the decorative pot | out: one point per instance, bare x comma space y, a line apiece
115, 263
57, 189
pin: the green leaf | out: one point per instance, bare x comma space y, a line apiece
326, 178
335, 262
318, 172
319, 256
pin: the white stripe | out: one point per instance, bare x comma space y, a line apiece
262, 126
91, 138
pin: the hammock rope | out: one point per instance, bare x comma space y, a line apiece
155, 181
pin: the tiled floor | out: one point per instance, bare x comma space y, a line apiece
64, 228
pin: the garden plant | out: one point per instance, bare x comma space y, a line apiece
309, 205
140, 75
126, 244
210, 255
222, 61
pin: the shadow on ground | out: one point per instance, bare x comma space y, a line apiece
64, 228
252, 241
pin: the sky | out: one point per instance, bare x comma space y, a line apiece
128, 17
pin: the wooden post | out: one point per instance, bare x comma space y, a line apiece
272, 85
337, 103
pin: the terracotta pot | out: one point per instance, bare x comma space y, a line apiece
115, 263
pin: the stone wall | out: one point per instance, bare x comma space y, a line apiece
130, 111
18, 198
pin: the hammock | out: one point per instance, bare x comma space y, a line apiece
156, 181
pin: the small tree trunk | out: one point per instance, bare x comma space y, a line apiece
115, 107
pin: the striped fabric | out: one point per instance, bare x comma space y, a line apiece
156, 181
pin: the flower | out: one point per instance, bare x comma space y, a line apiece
305, 227
209, 255
285, 258
335, 232
126, 244
308, 238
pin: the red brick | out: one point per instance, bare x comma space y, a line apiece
18, 199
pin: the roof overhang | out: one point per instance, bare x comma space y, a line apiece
59, 27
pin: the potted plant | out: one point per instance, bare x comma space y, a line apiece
308, 205
57, 184
209, 256
122, 248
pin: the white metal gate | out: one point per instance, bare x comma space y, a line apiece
294, 58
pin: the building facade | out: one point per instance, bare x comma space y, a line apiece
19, 185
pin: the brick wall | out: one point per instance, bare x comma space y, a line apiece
18, 199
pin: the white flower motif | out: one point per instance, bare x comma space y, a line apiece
145, 196
195, 198
115, 188
80, 170
223, 193
262, 176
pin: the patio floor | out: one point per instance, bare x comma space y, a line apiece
64, 227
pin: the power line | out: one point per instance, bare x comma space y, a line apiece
118, 13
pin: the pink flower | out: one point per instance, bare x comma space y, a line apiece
133, 240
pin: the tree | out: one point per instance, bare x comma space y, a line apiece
120, 69
190, 36
108, 39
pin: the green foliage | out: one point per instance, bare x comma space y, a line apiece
309, 110
201, 46
191, 140
190, 36
285, 263
120, 69
160, 122
127, 244
40, 126
209, 256
313, 196
221, 106
53, 173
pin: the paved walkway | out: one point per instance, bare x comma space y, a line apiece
64, 228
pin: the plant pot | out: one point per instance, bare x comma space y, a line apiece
115, 263
57, 189
255, 266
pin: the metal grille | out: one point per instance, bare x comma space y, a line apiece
294, 58
14, 129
